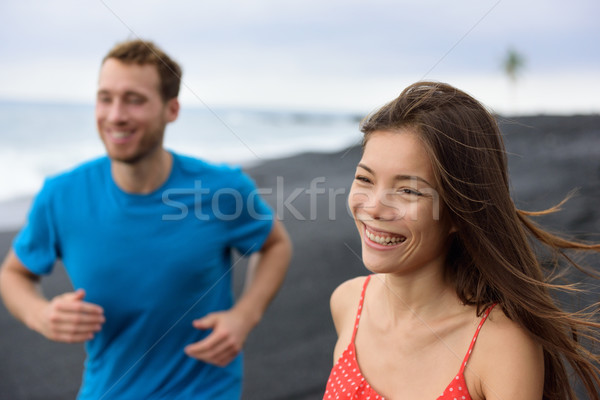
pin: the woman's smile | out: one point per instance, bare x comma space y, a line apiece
382, 240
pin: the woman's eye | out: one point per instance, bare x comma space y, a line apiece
411, 192
362, 179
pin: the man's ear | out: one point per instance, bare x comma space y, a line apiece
172, 109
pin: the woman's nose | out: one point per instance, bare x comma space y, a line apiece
379, 205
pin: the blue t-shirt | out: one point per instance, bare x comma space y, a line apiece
155, 263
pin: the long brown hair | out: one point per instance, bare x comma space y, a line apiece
492, 258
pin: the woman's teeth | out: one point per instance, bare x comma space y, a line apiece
385, 240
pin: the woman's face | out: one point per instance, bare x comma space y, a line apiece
396, 208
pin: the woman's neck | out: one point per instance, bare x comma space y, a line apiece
422, 297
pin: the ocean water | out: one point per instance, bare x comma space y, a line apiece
37, 140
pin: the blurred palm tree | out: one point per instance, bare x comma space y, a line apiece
513, 64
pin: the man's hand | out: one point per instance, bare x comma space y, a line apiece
266, 270
223, 344
67, 318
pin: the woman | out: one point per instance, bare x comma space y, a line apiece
458, 306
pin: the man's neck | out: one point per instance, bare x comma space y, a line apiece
145, 175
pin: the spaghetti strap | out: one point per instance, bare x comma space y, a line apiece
360, 306
485, 315
347, 381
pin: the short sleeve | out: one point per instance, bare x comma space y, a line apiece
36, 244
251, 217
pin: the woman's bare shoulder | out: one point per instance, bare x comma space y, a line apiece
344, 300
349, 288
500, 328
507, 360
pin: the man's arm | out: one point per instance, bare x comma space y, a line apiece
231, 328
66, 318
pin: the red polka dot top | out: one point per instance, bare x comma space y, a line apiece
347, 382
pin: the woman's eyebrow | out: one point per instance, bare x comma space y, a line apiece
399, 177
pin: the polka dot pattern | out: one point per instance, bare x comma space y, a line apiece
347, 382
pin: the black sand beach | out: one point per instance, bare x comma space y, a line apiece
289, 354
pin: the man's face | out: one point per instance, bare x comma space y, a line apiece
131, 115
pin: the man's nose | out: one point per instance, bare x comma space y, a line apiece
117, 112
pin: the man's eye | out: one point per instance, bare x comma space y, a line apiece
135, 100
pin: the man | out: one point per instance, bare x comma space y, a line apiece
145, 235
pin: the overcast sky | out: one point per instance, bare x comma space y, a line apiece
313, 54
